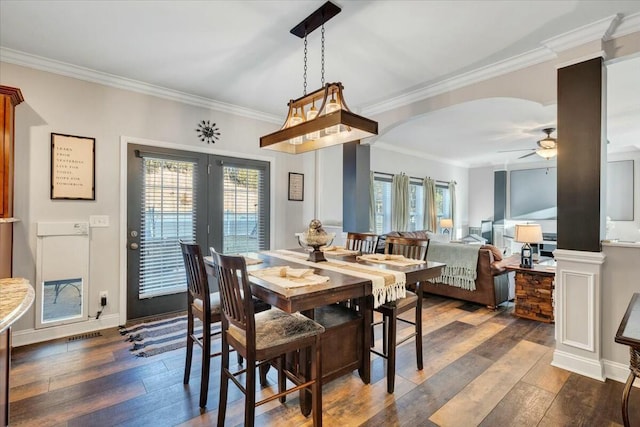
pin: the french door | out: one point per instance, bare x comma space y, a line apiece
174, 195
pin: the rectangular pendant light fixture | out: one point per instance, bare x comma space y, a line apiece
308, 128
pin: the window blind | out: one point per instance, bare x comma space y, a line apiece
245, 223
168, 214
382, 196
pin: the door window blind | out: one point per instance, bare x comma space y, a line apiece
245, 220
168, 215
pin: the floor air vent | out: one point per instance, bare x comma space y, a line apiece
84, 336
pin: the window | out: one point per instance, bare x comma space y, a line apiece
245, 211
416, 205
443, 202
382, 197
168, 214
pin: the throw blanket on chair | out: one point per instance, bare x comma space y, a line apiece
461, 260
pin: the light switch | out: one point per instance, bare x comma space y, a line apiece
99, 220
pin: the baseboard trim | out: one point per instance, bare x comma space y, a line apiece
33, 336
618, 372
580, 365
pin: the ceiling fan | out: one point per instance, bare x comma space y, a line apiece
547, 146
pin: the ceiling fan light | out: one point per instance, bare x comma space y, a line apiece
547, 142
547, 153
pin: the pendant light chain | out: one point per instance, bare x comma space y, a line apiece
304, 91
322, 79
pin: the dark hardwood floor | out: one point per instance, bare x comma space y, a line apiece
482, 367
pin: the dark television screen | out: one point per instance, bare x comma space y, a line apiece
532, 194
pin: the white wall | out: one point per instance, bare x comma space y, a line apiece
619, 282
628, 230
480, 195
59, 104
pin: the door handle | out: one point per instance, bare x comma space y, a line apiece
133, 246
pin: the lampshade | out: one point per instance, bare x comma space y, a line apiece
528, 233
333, 124
446, 223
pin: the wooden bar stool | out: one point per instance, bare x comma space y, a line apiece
261, 337
415, 249
364, 242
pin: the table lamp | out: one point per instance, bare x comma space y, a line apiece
527, 233
446, 224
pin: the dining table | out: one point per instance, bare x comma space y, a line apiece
345, 280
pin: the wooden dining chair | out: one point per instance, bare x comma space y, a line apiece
203, 305
415, 249
259, 337
364, 242
205, 309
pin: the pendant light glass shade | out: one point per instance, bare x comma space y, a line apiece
312, 114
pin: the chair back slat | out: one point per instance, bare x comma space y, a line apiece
235, 292
413, 248
364, 242
198, 285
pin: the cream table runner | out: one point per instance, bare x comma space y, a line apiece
388, 259
338, 251
288, 277
387, 285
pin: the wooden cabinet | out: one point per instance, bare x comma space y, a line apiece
9, 98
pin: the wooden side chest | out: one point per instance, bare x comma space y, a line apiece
534, 295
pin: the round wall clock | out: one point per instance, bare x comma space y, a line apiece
208, 131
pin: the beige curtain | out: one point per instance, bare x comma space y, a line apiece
372, 204
400, 203
430, 214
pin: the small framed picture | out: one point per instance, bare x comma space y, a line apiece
296, 186
73, 161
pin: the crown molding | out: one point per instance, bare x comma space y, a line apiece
81, 73
598, 30
628, 24
608, 28
599, 54
499, 68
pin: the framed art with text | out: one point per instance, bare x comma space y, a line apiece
296, 186
73, 167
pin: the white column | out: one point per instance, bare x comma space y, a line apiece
578, 306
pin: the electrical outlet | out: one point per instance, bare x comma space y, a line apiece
103, 298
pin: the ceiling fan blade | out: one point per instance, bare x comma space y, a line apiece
527, 155
519, 149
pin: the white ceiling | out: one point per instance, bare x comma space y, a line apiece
241, 54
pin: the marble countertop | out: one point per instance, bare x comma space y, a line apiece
7, 220
16, 296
